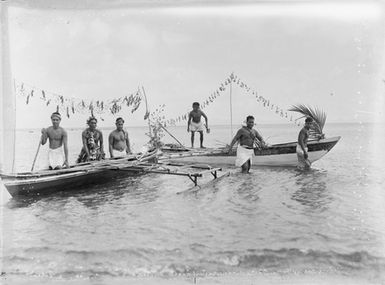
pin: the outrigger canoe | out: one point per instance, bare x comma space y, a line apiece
80, 175
274, 155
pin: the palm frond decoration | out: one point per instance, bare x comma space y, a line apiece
318, 116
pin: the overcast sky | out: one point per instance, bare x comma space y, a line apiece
328, 55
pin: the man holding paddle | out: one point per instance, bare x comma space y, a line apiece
57, 137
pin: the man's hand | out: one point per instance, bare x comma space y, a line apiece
66, 164
207, 129
44, 135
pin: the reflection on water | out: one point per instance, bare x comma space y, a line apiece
312, 189
134, 188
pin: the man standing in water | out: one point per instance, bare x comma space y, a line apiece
195, 124
92, 143
302, 154
119, 144
247, 137
57, 137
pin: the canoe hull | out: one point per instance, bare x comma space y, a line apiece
79, 176
65, 182
276, 155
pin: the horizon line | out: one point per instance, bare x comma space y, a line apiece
221, 125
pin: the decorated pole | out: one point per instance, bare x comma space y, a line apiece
231, 109
7, 98
147, 112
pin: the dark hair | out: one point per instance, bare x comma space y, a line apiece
195, 104
56, 114
91, 119
308, 120
249, 118
120, 118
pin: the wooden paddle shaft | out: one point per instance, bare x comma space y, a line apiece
37, 152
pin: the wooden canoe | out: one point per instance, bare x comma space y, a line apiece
77, 176
275, 155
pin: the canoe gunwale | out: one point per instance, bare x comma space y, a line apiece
272, 153
92, 166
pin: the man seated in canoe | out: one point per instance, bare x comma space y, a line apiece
118, 141
195, 124
248, 138
57, 137
302, 151
92, 143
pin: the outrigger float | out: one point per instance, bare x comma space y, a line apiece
87, 174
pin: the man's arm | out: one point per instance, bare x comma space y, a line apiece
207, 120
301, 142
110, 144
235, 139
101, 142
188, 121
128, 149
260, 138
65, 144
44, 136
85, 146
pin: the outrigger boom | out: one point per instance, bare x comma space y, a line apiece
87, 174
189, 171
186, 170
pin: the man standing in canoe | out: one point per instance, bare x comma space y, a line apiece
57, 137
195, 124
118, 141
302, 154
247, 138
92, 143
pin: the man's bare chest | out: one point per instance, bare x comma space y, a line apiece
55, 134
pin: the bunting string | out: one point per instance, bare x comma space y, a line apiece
235, 80
71, 105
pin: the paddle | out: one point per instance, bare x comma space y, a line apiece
37, 152
161, 125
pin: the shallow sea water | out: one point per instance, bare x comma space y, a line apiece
273, 226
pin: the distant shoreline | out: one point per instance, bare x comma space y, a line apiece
211, 126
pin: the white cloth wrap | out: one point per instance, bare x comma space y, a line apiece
243, 155
302, 162
196, 127
118, 153
56, 157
